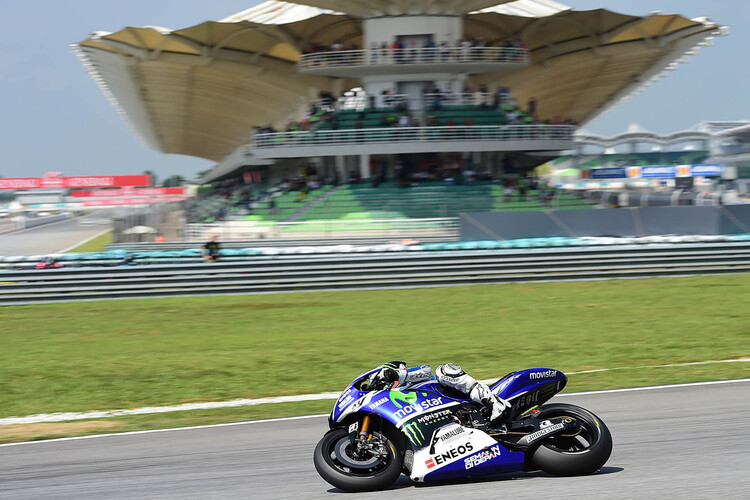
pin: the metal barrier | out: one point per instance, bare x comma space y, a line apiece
497, 134
438, 229
424, 55
347, 272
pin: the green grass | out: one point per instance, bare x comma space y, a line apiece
126, 354
98, 244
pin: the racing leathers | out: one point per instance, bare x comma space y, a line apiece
395, 373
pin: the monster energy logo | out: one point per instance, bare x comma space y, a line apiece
414, 433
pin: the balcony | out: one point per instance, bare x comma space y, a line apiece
361, 63
395, 140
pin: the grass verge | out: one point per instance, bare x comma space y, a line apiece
98, 244
127, 354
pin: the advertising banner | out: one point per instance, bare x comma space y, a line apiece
666, 171
608, 173
707, 170
130, 201
53, 180
87, 193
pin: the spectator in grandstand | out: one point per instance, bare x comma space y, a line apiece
374, 52
444, 51
327, 99
531, 106
431, 52
522, 190
383, 53
403, 120
466, 46
212, 249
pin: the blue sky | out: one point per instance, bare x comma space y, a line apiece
55, 118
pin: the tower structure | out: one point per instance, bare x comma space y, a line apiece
201, 90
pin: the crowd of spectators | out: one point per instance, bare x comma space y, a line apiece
459, 171
435, 99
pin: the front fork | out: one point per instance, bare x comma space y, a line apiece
364, 442
364, 429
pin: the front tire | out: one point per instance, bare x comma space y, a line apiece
577, 455
335, 462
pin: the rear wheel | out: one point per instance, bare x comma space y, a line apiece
573, 454
340, 464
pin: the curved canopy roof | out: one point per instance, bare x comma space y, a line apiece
198, 91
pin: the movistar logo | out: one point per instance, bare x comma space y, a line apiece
414, 433
400, 399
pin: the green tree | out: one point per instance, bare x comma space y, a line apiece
154, 179
173, 181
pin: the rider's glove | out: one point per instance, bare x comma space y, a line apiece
388, 376
380, 380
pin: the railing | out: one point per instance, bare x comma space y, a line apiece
425, 55
443, 227
499, 133
279, 273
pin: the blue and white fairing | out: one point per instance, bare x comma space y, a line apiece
425, 413
532, 387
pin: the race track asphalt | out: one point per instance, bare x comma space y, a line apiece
52, 238
685, 442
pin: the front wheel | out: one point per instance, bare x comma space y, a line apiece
338, 462
577, 454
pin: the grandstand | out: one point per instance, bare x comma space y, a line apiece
441, 102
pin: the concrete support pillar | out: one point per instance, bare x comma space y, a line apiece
343, 177
364, 166
500, 163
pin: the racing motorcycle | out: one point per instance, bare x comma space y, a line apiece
431, 432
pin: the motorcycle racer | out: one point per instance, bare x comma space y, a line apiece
395, 373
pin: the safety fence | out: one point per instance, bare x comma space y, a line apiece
424, 55
436, 229
498, 134
292, 273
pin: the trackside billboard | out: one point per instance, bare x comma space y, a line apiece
53, 180
88, 193
657, 172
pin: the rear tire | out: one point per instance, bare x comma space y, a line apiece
335, 463
578, 455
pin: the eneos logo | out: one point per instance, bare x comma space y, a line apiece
449, 455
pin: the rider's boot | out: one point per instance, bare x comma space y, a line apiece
453, 376
498, 410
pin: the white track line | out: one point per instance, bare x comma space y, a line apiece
304, 417
65, 250
66, 417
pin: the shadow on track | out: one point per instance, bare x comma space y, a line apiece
404, 482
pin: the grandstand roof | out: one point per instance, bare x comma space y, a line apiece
199, 90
